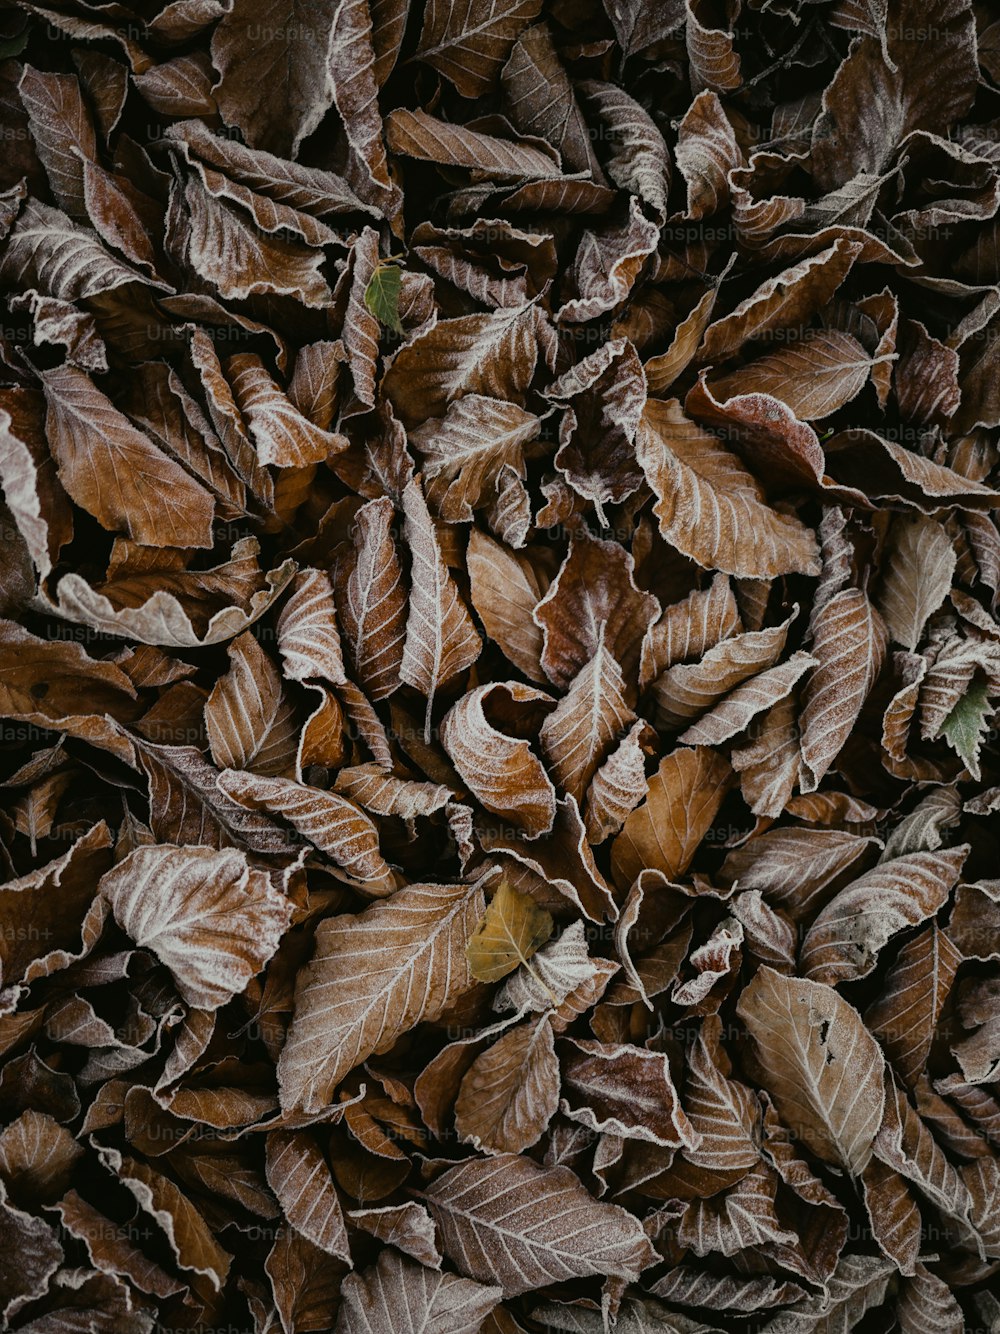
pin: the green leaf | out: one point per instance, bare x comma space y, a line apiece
382, 295
965, 727
13, 46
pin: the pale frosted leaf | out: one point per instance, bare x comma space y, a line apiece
372, 600
561, 967
408, 1227
706, 153
927, 1305
755, 696
493, 355
242, 709
689, 628
539, 98
797, 869
327, 820
383, 793
418, 135
744, 1216
464, 453
618, 785
480, 734
441, 640
815, 376
844, 940
918, 571
714, 62
507, 1220
209, 916
239, 261
849, 642
281, 434
469, 43
819, 1063
49, 252
378, 1300
859, 1283
687, 1286
640, 159
624, 1090
308, 640
689, 689
577, 736
784, 301
373, 976
298, 1174
355, 92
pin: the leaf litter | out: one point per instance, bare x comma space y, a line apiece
499, 660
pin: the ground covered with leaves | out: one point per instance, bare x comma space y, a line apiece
499, 656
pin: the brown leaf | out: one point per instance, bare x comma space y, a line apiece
689, 689
708, 504
418, 135
905, 1015
815, 376
281, 434
511, 1091
422, 937
464, 454
193, 1246
329, 821
280, 102
849, 641
493, 355
664, 832
37, 1158
505, 588
308, 640
469, 48
371, 600
919, 568
245, 715
784, 301
112, 470
605, 1087
595, 588
540, 97
577, 736
63, 133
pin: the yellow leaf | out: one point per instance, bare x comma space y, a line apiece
509, 932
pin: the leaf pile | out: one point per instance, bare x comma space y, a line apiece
498, 666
